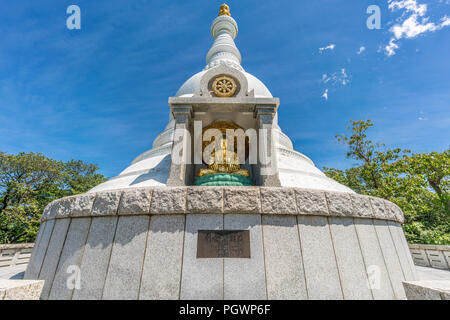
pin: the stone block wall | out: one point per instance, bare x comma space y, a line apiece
12, 255
142, 244
432, 256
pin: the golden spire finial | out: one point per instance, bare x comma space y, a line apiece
224, 10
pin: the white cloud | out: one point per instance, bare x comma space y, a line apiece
411, 28
329, 47
445, 21
420, 118
414, 25
325, 94
336, 77
361, 49
409, 5
344, 78
391, 47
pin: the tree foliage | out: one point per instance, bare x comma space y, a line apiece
28, 182
417, 182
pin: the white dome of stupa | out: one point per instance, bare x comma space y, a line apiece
192, 85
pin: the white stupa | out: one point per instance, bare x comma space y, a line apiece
168, 227
152, 167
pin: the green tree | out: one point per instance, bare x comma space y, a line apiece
425, 196
418, 183
28, 182
79, 177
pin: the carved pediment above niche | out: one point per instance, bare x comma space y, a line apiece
224, 81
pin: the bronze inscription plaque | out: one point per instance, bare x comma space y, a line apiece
223, 244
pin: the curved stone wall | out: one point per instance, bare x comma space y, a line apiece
256, 200
142, 244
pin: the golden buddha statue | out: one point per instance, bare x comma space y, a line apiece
223, 160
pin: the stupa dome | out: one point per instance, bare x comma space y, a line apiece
192, 85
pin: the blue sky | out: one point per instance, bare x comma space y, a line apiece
100, 93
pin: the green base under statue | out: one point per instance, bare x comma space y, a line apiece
223, 179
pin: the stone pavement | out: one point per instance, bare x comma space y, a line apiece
15, 273
426, 273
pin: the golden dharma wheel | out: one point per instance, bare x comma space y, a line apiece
224, 86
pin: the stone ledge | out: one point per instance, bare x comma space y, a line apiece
311, 202
168, 200
427, 290
429, 247
276, 200
106, 203
241, 200
135, 201
223, 200
339, 204
204, 200
16, 246
20, 289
